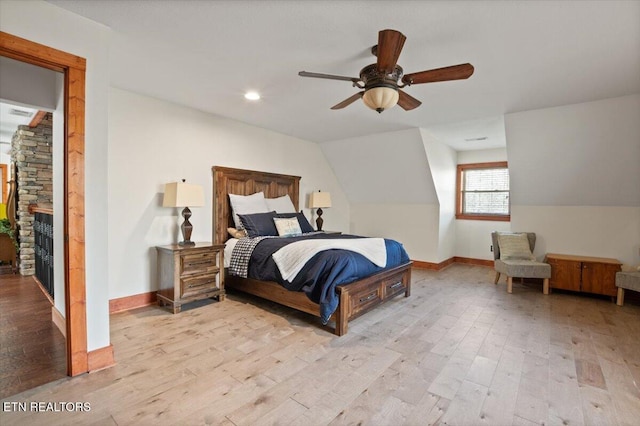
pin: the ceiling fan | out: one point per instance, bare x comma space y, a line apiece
383, 80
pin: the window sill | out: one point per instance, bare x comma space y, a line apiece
484, 217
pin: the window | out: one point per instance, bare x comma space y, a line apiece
483, 191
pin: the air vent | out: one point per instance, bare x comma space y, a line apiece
483, 138
20, 113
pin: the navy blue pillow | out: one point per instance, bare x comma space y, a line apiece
259, 224
305, 226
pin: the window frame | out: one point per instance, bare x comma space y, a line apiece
459, 194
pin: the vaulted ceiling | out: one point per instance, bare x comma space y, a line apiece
527, 55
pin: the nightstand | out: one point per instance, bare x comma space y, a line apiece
189, 273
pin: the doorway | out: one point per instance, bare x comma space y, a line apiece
74, 69
33, 351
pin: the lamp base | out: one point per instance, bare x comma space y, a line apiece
186, 228
319, 220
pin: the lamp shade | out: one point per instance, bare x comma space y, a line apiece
380, 98
180, 194
319, 200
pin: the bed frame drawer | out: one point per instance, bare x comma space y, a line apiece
363, 300
393, 286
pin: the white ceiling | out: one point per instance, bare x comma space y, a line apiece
12, 116
527, 55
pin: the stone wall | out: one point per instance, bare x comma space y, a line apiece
31, 151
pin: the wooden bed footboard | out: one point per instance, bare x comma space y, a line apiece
354, 299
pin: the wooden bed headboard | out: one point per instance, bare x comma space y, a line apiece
246, 182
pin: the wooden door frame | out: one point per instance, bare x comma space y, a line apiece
3, 179
74, 69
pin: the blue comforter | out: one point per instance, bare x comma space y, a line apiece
326, 270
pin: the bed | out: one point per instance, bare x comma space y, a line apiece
354, 299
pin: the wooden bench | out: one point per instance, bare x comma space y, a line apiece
626, 281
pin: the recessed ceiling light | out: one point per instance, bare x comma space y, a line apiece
252, 96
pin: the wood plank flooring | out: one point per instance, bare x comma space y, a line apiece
459, 351
32, 349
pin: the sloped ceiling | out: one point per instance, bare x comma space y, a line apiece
26, 88
527, 55
576, 155
388, 168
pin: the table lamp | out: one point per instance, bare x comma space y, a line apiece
181, 194
319, 200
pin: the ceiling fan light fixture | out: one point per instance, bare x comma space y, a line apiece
380, 98
382, 81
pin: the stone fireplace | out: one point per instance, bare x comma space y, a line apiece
32, 154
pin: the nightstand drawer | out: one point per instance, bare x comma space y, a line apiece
199, 262
198, 284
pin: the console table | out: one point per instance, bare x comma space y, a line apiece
585, 274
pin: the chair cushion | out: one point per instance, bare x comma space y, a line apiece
628, 280
523, 268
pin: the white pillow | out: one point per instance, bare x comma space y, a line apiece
247, 204
514, 246
281, 204
287, 227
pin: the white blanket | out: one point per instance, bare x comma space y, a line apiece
292, 257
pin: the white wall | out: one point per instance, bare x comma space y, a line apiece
575, 177
58, 197
482, 156
44, 23
416, 226
152, 142
473, 237
598, 231
388, 182
442, 163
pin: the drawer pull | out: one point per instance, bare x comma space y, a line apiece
369, 297
200, 284
396, 285
198, 263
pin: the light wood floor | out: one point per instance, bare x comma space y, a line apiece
459, 351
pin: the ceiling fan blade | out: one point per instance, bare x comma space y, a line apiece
454, 72
328, 76
390, 44
407, 102
348, 101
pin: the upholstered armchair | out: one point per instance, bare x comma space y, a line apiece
513, 257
